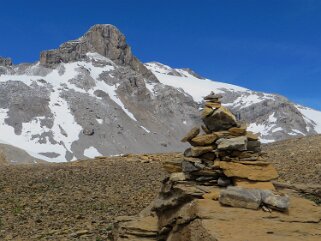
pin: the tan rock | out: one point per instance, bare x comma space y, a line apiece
214, 105
173, 165
205, 140
251, 172
136, 228
214, 194
207, 111
218, 223
237, 131
199, 150
204, 128
191, 134
251, 136
253, 184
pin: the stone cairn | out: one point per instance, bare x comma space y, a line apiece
224, 164
227, 154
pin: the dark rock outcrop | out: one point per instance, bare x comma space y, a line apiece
5, 62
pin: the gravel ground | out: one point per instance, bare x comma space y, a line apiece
78, 200
297, 160
74, 201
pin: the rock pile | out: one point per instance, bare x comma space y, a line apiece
226, 155
223, 167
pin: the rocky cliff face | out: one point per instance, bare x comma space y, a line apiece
92, 97
103, 39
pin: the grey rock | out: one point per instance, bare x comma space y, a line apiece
275, 201
224, 181
254, 146
88, 131
220, 119
240, 197
237, 143
188, 167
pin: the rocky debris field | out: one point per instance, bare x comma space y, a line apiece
75, 201
297, 160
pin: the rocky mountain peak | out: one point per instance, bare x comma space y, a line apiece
5, 61
104, 39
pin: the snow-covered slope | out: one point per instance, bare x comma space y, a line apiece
77, 104
271, 115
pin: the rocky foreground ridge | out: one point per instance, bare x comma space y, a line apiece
215, 192
92, 97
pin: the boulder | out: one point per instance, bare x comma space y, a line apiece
236, 143
220, 119
241, 197
250, 172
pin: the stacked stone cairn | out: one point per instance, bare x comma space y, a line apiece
227, 155
223, 167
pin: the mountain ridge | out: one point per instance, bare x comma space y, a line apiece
92, 96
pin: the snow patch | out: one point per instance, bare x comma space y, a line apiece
92, 152
148, 131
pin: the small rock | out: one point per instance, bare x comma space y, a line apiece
237, 143
88, 132
275, 201
223, 181
178, 176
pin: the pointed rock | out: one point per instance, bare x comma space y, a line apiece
221, 119
191, 134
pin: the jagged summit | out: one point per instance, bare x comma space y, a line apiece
104, 39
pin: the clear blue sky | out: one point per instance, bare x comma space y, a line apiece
266, 45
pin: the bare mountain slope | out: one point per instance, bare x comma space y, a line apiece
273, 116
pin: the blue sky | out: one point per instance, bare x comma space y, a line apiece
272, 46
